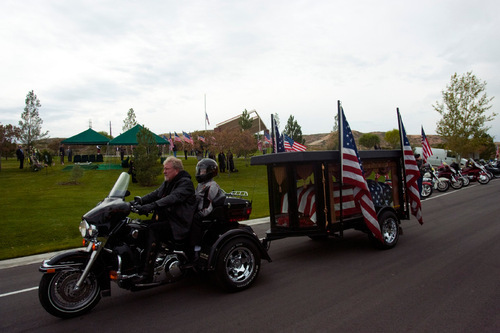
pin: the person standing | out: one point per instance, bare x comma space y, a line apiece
420, 166
222, 161
61, 153
20, 156
70, 154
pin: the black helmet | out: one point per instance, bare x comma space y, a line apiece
206, 169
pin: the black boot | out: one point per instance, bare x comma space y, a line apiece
146, 276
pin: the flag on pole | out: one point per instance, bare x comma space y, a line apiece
353, 174
206, 117
426, 147
267, 137
187, 137
201, 138
293, 145
279, 145
412, 173
171, 142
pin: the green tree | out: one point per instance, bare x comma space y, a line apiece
145, 158
31, 123
464, 114
369, 140
130, 121
245, 121
293, 130
105, 134
8, 135
393, 139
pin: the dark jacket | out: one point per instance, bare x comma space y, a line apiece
175, 202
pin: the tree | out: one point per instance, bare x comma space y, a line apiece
293, 130
145, 158
369, 140
8, 134
130, 121
31, 123
392, 138
463, 113
245, 121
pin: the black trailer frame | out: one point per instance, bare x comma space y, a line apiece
305, 193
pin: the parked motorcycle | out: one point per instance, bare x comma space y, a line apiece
441, 184
491, 168
475, 172
427, 188
73, 282
448, 172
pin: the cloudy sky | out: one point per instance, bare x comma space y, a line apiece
91, 61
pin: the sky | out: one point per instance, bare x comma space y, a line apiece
89, 61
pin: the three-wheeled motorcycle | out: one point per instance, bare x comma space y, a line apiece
307, 199
73, 282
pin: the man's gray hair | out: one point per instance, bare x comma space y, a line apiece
176, 163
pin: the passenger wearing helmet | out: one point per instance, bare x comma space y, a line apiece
207, 192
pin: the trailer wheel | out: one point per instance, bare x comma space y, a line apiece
238, 265
389, 227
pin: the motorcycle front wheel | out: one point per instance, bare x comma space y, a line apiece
426, 190
483, 179
58, 296
457, 184
443, 186
465, 180
238, 265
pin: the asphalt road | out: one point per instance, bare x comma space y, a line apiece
443, 276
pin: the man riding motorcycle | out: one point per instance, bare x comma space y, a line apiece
173, 205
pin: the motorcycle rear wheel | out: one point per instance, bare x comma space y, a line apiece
238, 265
58, 297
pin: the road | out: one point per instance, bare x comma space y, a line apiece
442, 276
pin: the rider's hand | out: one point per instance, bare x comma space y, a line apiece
145, 209
138, 200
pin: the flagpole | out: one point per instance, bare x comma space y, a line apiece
205, 112
341, 144
400, 122
273, 135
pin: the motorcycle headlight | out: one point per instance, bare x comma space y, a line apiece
87, 230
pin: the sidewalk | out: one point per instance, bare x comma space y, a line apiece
38, 258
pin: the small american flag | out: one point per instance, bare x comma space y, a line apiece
291, 145
426, 147
177, 137
187, 137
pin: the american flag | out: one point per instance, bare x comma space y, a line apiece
412, 174
353, 174
177, 137
187, 137
267, 137
426, 147
291, 145
279, 145
201, 138
206, 117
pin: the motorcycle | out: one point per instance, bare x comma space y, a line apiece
448, 172
427, 188
476, 172
74, 282
441, 184
491, 168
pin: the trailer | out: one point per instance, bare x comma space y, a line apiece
306, 197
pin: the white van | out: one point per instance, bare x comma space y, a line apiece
438, 156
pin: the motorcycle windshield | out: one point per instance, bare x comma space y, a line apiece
120, 188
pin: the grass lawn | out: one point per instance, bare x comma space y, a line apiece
40, 211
